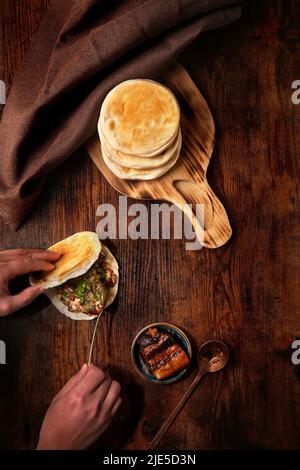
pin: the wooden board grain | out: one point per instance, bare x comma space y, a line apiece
185, 184
245, 293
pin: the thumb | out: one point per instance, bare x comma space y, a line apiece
24, 298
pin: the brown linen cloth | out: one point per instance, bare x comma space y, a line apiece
82, 50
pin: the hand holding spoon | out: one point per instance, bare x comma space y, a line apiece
212, 357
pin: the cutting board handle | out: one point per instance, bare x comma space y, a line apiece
204, 210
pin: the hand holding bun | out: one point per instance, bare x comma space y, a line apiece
85, 279
16, 263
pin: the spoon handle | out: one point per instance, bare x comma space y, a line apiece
176, 410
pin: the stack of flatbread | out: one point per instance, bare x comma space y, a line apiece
139, 130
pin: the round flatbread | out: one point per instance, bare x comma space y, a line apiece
141, 174
139, 117
141, 163
53, 293
79, 252
150, 155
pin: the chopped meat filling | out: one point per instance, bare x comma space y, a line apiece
88, 293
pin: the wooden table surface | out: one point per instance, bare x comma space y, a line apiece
245, 293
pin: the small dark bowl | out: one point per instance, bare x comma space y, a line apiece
139, 363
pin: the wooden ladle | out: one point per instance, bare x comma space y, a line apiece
212, 357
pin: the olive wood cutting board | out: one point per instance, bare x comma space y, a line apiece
186, 182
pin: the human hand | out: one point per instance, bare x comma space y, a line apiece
14, 263
81, 411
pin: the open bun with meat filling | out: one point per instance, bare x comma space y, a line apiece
85, 279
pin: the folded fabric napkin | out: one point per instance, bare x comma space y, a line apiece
82, 50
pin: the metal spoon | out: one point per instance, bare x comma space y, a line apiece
212, 356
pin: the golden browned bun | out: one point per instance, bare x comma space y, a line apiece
139, 117
142, 173
141, 163
79, 252
54, 296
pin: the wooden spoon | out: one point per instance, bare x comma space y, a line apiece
212, 357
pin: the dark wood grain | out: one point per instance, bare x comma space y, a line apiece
245, 293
